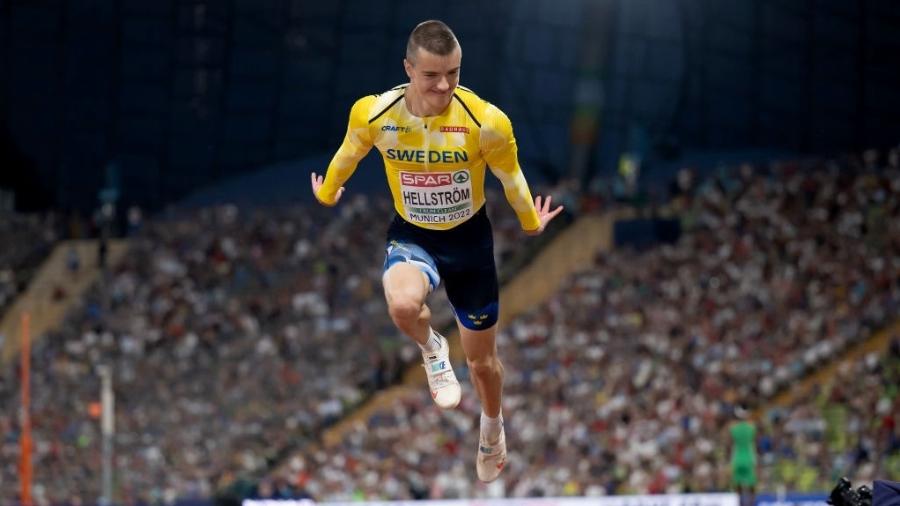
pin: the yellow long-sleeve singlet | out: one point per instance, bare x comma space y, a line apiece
435, 165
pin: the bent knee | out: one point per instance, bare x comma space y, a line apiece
404, 308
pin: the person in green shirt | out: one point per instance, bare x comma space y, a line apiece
743, 456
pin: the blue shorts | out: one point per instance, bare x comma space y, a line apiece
463, 256
410, 253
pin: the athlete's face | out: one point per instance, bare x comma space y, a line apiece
434, 77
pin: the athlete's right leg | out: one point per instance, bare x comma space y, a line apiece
405, 288
410, 275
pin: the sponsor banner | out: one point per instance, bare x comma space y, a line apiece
613, 500
279, 502
792, 499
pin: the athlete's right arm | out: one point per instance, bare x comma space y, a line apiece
356, 145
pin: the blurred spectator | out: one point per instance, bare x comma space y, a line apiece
135, 220
73, 261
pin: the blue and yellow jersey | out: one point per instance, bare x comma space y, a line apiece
435, 165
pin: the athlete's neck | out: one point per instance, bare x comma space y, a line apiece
419, 107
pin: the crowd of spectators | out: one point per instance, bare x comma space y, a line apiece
626, 380
233, 335
846, 426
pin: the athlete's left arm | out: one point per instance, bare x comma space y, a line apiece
498, 146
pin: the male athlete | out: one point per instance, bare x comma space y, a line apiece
436, 139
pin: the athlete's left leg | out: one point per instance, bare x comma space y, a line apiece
486, 371
485, 368
473, 291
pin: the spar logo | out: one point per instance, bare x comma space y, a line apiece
426, 180
460, 176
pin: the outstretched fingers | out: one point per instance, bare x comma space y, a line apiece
546, 208
553, 213
542, 206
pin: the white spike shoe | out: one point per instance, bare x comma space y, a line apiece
442, 381
491, 457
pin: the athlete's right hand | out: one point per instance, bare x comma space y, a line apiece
317, 182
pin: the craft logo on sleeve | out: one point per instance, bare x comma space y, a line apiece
436, 197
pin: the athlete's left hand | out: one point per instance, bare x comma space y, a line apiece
544, 214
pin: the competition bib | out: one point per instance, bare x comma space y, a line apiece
436, 197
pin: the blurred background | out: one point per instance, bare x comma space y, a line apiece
731, 245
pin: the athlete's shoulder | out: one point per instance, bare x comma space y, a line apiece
383, 102
473, 104
483, 112
467, 94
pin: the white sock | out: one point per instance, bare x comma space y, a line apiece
433, 344
490, 427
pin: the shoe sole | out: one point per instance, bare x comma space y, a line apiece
452, 405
